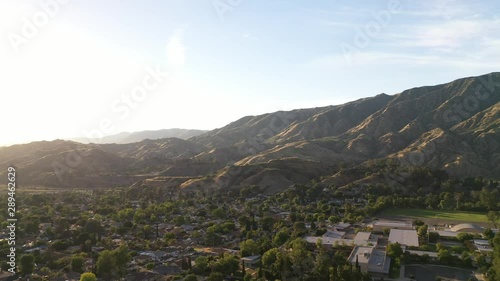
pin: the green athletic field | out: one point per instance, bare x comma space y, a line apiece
437, 214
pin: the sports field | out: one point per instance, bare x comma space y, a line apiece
436, 214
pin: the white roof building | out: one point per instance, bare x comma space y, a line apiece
334, 234
365, 238
404, 237
370, 259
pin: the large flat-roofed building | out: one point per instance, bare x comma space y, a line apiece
371, 259
365, 238
404, 237
380, 226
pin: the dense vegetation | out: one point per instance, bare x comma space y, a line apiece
271, 226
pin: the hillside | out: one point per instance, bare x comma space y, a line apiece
453, 127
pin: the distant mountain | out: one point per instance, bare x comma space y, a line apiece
453, 127
126, 137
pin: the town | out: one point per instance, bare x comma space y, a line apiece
302, 233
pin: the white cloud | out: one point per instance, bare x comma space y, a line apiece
176, 52
447, 34
470, 42
483, 60
444, 9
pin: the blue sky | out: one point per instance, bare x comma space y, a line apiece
69, 66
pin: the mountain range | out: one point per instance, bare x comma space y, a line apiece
454, 127
127, 137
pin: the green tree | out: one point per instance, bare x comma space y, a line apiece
444, 256
422, 231
267, 223
489, 198
215, 276
105, 263
27, 264
493, 217
88, 276
434, 237
495, 267
299, 228
219, 213
462, 237
191, 277
147, 230
488, 233
300, 257
32, 226
228, 264
272, 261
201, 265
448, 202
122, 257
77, 263
248, 248
394, 250
280, 238
93, 226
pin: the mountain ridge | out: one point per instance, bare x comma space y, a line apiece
453, 127
131, 137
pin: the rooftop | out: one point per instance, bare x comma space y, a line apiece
362, 253
251, 258
404, 237
343, 225
363, 238
334, 234
466, 227
393, 223
483, 245
376, 260
447, 233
